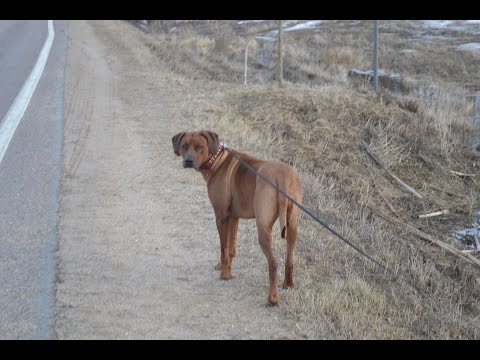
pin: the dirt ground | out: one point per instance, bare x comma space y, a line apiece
138, 243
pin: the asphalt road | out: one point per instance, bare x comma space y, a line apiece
29, 181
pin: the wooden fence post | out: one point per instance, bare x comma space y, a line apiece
246, 57
476, 110
375, 55
280, 54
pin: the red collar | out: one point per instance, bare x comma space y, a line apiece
208, 164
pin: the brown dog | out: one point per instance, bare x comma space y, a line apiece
235, 192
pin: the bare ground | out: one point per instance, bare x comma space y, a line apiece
138, 242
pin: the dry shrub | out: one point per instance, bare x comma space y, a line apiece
342, 56
384, 144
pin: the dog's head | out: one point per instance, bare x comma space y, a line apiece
195, 147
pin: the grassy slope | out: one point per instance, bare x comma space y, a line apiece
321, 124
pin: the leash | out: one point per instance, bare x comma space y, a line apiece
308, 212
326, 226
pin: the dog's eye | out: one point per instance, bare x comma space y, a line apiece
185, 147
198, 147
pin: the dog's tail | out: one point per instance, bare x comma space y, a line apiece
282, 212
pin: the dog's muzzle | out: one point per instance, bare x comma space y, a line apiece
188, 162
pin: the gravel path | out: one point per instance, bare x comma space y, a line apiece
138, 243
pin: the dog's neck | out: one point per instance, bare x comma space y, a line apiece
207, 174
207, 167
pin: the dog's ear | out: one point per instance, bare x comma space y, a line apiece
176, 142
212, 139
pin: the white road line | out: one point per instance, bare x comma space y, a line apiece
20, 104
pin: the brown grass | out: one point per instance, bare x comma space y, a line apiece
320, 123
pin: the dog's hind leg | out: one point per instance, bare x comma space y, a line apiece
266, 212
291, 240
265, 239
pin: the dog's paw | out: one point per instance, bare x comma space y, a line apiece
272, 300
226, 276
288, 284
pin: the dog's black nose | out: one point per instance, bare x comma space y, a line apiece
188, 163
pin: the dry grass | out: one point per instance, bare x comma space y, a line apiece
320, 123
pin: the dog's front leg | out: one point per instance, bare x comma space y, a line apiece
224, 234
233, 232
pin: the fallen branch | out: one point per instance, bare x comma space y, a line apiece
395, 177
404, 184
436, 213
468, 257
460, 174
469, 251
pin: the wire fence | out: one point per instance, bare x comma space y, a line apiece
259, 59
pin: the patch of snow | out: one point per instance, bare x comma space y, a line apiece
465, 232
408, 51
305, 25
243, 22
381, 72
271, 36
428, 38
469, 47
437, 23
467, 237
288, 23
455, 25
459, 234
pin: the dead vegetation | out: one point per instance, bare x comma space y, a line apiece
332, 132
